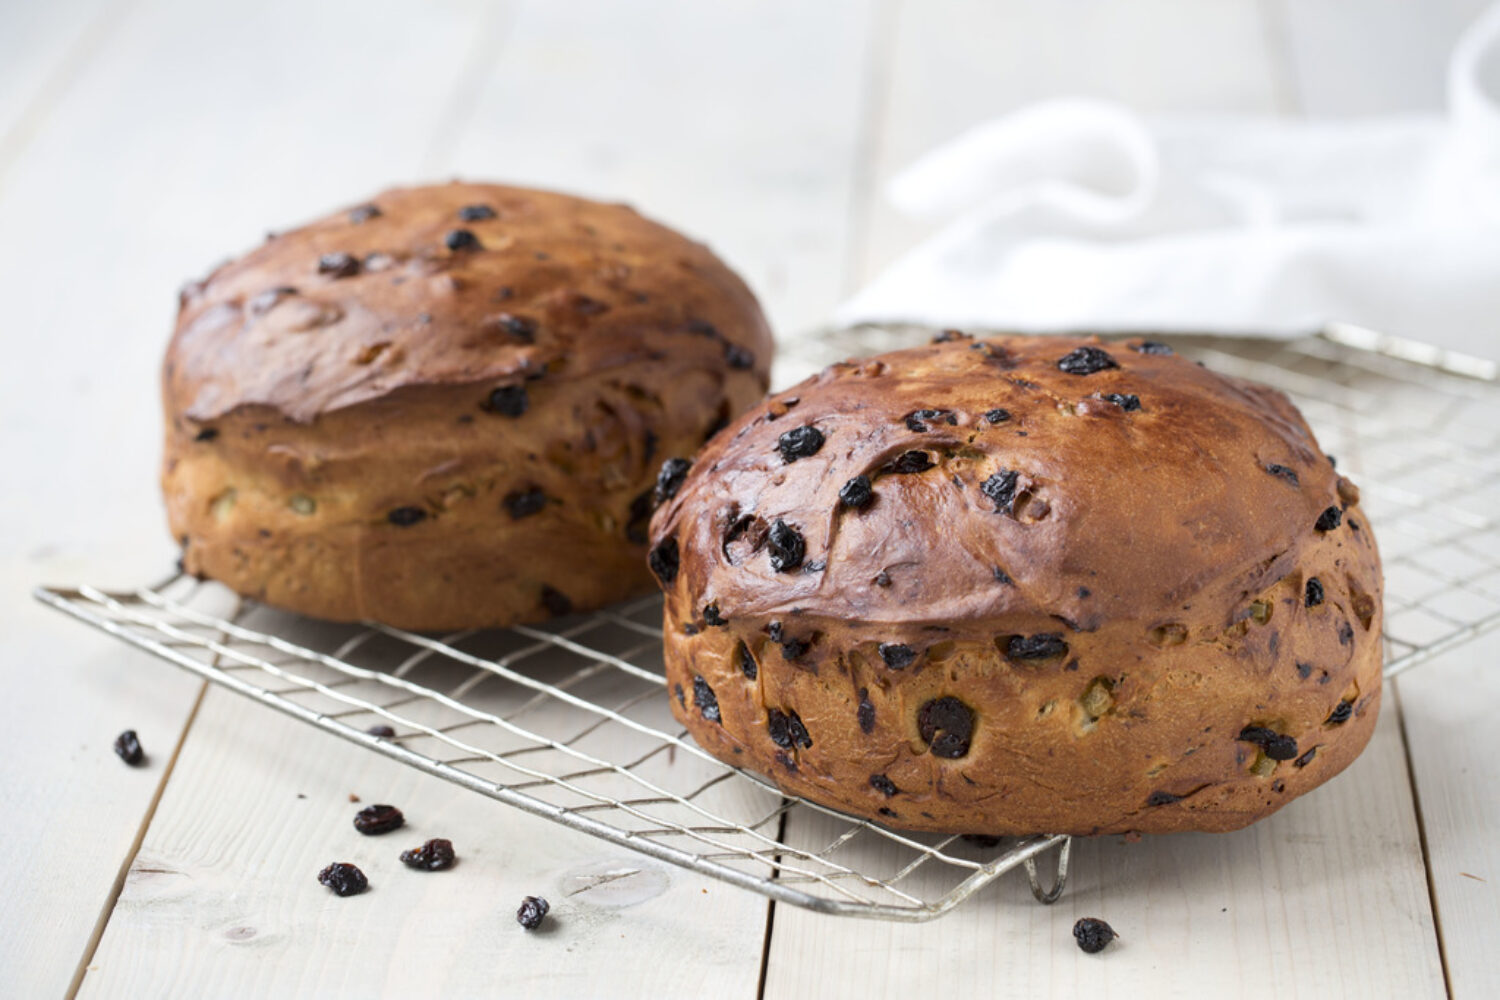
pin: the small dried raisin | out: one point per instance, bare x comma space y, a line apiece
461, 239
405, 517
996, 416
885, 786
1314, 592
508, 400
896, 655
911, 462
1086, 361
669, 479
787, 547
377, 819
706, 700
1001, 490
1340, 714
1093, 934
856, 492
128, 748
1036, 647
344, 879
946, 726
433, 856
476, 213
1128, 403
747, 662
1329, 519
531, 911
663, 561
524, 503
799, 442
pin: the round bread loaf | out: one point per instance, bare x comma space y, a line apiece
445, 408
1024, 585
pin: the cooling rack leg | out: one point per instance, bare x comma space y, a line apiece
1049, 896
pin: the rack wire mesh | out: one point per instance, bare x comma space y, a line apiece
569, 720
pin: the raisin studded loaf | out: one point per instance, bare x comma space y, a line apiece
445, 408
1023, 585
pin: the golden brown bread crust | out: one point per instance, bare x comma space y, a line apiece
1086, 606
446, 408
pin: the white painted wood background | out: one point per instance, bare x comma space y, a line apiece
142, 141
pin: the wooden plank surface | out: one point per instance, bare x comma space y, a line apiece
223, 898
1280, 909
141, 142
1446, 708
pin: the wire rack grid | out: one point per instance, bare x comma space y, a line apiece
569, 720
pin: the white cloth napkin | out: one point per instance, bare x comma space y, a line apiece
1082, 215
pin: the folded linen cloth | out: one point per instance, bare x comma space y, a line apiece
1076, 214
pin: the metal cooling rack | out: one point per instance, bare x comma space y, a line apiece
570, 721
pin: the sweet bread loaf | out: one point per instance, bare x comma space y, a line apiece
446, 407
1024, 585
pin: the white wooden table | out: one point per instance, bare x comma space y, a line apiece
142, 141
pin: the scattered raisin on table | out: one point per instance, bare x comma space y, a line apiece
433, 856
377, 819
382, 730
531, 911
128, 748
1093, 934
344, 879
856, 492
799, 442
669, 479
1314, 592
1086, 361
